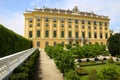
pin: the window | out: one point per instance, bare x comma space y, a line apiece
62, 20
38, 43
89, 27
76, 26
105, 28
100, 35
94, 22
106, 35
54, 19
30, 25
46, 25
54, 25
70, 34
46, 43
89, 23
69, 25
89, 34
83, 34
38, 18
100, 27
62, 34
83, 22
46, 33
69, 21
38, 24
30, 34
54, 34
105, 23
100, 23
83, 27
70, 43
38, 33
54, 43
30, 20
77, 35
94, 27
95, 35
62, 25
47, 19
76, 21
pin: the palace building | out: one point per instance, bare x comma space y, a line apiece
47, 26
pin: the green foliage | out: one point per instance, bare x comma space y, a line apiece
109, 73
63, 59
83, 64
27, 69
81, 71
89, 50
11, 42
19, 76
111, 60
68, 46
72, 75
114, 44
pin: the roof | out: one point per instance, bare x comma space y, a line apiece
54, 10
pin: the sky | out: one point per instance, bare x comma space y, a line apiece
11, 11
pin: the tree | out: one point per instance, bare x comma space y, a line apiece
114, 44
68, 46
72, 75
64, 61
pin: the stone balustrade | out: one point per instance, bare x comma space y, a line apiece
10, 62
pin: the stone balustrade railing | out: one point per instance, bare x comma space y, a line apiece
9, 63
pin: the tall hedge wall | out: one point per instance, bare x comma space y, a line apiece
11, 42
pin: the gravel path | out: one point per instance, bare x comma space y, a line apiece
46, 68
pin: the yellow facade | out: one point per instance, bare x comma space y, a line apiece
48, 26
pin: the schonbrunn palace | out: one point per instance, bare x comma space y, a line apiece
47, 26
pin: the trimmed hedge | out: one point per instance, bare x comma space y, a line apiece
91, 64
11, 42
27, 70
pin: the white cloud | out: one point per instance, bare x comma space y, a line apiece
14, 22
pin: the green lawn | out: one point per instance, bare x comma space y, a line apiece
97, 67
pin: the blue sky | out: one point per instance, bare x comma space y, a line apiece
11, 11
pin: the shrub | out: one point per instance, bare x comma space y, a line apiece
111, 60
11, 42
117, 59
81, 71
68, 46
79, 60
109, 73
72, 75
90, 64
96, 59
87, 60
104, 58
19, 76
